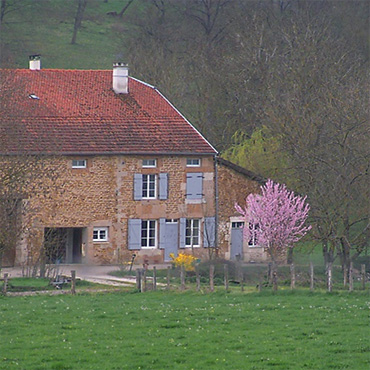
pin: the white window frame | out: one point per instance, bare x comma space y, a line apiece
253, 241
99, 231
79, 163
148, 225
189, 162
189, 236
146, 186
147, 163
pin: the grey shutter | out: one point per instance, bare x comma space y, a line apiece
209, 232
182, 232
162, 232
163, 186
134, 233
138, 186
194, 185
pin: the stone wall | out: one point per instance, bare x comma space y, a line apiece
101, 195
234, 185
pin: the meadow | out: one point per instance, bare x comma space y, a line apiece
173, 330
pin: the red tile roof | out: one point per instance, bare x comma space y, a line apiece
77, 112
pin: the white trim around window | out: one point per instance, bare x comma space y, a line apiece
193, 162
149, 163
148, 233
79, 163
192, 232
100, 234
149, 186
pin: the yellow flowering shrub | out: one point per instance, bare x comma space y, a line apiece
185, 260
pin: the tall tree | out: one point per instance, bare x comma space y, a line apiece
78, 19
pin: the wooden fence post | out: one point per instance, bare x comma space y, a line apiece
73, 282
292, 276
329, 276
211, 277
138, 279
260, 284
226, 276
312, 287
5, 286
182, 277
350, 276
143, 285
345, 275
242, 282
154, 278
168, 277
363, 276
197, 277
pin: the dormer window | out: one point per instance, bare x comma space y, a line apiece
79, 163
149, 163
192, 162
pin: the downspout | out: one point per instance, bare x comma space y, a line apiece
216, 203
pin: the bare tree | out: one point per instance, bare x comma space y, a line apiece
78, 19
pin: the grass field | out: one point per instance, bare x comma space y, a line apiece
168, 330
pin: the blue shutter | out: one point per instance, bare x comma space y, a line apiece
138, 186
163, 186
162, 232
194, 185
182, 232
209, 232
134, 233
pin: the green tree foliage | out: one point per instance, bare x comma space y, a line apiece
261, 153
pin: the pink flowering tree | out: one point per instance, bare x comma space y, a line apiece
276, 218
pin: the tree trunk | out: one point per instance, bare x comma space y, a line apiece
274, 277
78, 19
125, 8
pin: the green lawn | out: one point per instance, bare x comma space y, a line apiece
168, 330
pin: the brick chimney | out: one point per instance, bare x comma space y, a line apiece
120, 78
35, 62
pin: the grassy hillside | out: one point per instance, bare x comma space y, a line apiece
45, 27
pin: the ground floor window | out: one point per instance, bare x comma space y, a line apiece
192, 232
100, 234
253, 240
148, 233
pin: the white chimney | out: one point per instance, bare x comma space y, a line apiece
120, 78
35, 62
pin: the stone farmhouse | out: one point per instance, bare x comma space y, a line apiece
120, 172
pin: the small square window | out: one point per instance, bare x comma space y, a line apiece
192, 162
100, 234
79, 163
149, 163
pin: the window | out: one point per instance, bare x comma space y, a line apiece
149, 163
192, 162
253, 232
148, 233
149, 186
79, 163
237, 225
192, 233
100, 234
145, 186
